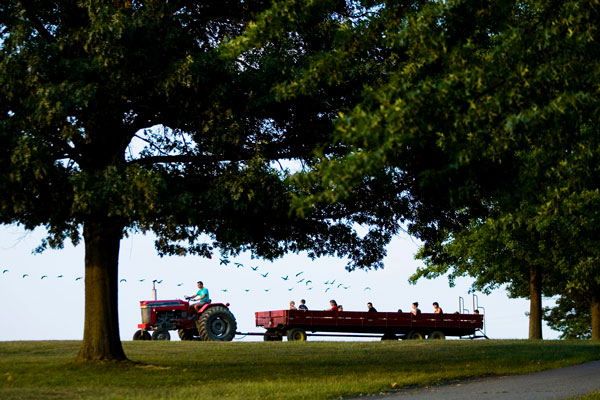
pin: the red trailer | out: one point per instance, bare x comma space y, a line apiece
391, 325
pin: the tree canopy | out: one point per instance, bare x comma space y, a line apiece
154, 116
487, 115
277, 126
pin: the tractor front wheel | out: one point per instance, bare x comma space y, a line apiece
217, 323
161, 335
141, 335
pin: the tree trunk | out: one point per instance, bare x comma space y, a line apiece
535, 302
101, 340
595, 312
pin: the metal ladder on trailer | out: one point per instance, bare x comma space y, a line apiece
476, 310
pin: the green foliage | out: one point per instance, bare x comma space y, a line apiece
571, 317
164, 117
472, 123
485, 116
167, 117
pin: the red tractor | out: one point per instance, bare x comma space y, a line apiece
212, 322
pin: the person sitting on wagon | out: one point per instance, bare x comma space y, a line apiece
293, 305
202, 295
333, 304
340, 307
415, 309
370, 307
302, 305
436, 308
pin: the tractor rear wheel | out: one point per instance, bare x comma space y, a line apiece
161, 335
186, 334
296, 334
217, 323
141, 335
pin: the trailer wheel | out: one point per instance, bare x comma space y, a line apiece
415, 335
389, 336
186, 334
296, 334
141, 335
269, 337
436, 335
272, 335
161, 335
217, 323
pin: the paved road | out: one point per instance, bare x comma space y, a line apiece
562, 383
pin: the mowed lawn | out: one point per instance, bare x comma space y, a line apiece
270, 370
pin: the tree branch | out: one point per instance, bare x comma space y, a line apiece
35, 21
238, 156
177, 159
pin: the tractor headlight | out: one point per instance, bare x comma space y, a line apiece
145, 315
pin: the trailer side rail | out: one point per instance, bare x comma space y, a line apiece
365, 321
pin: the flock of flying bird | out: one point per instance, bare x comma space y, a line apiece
307, 282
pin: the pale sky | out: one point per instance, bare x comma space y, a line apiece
52, 308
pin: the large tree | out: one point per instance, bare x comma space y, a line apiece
540, 230
487, 116
120, 117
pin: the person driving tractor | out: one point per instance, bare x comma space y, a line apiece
202, 295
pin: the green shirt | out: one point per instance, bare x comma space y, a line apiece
202, 292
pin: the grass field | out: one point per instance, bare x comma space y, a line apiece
592, 396
269, 370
